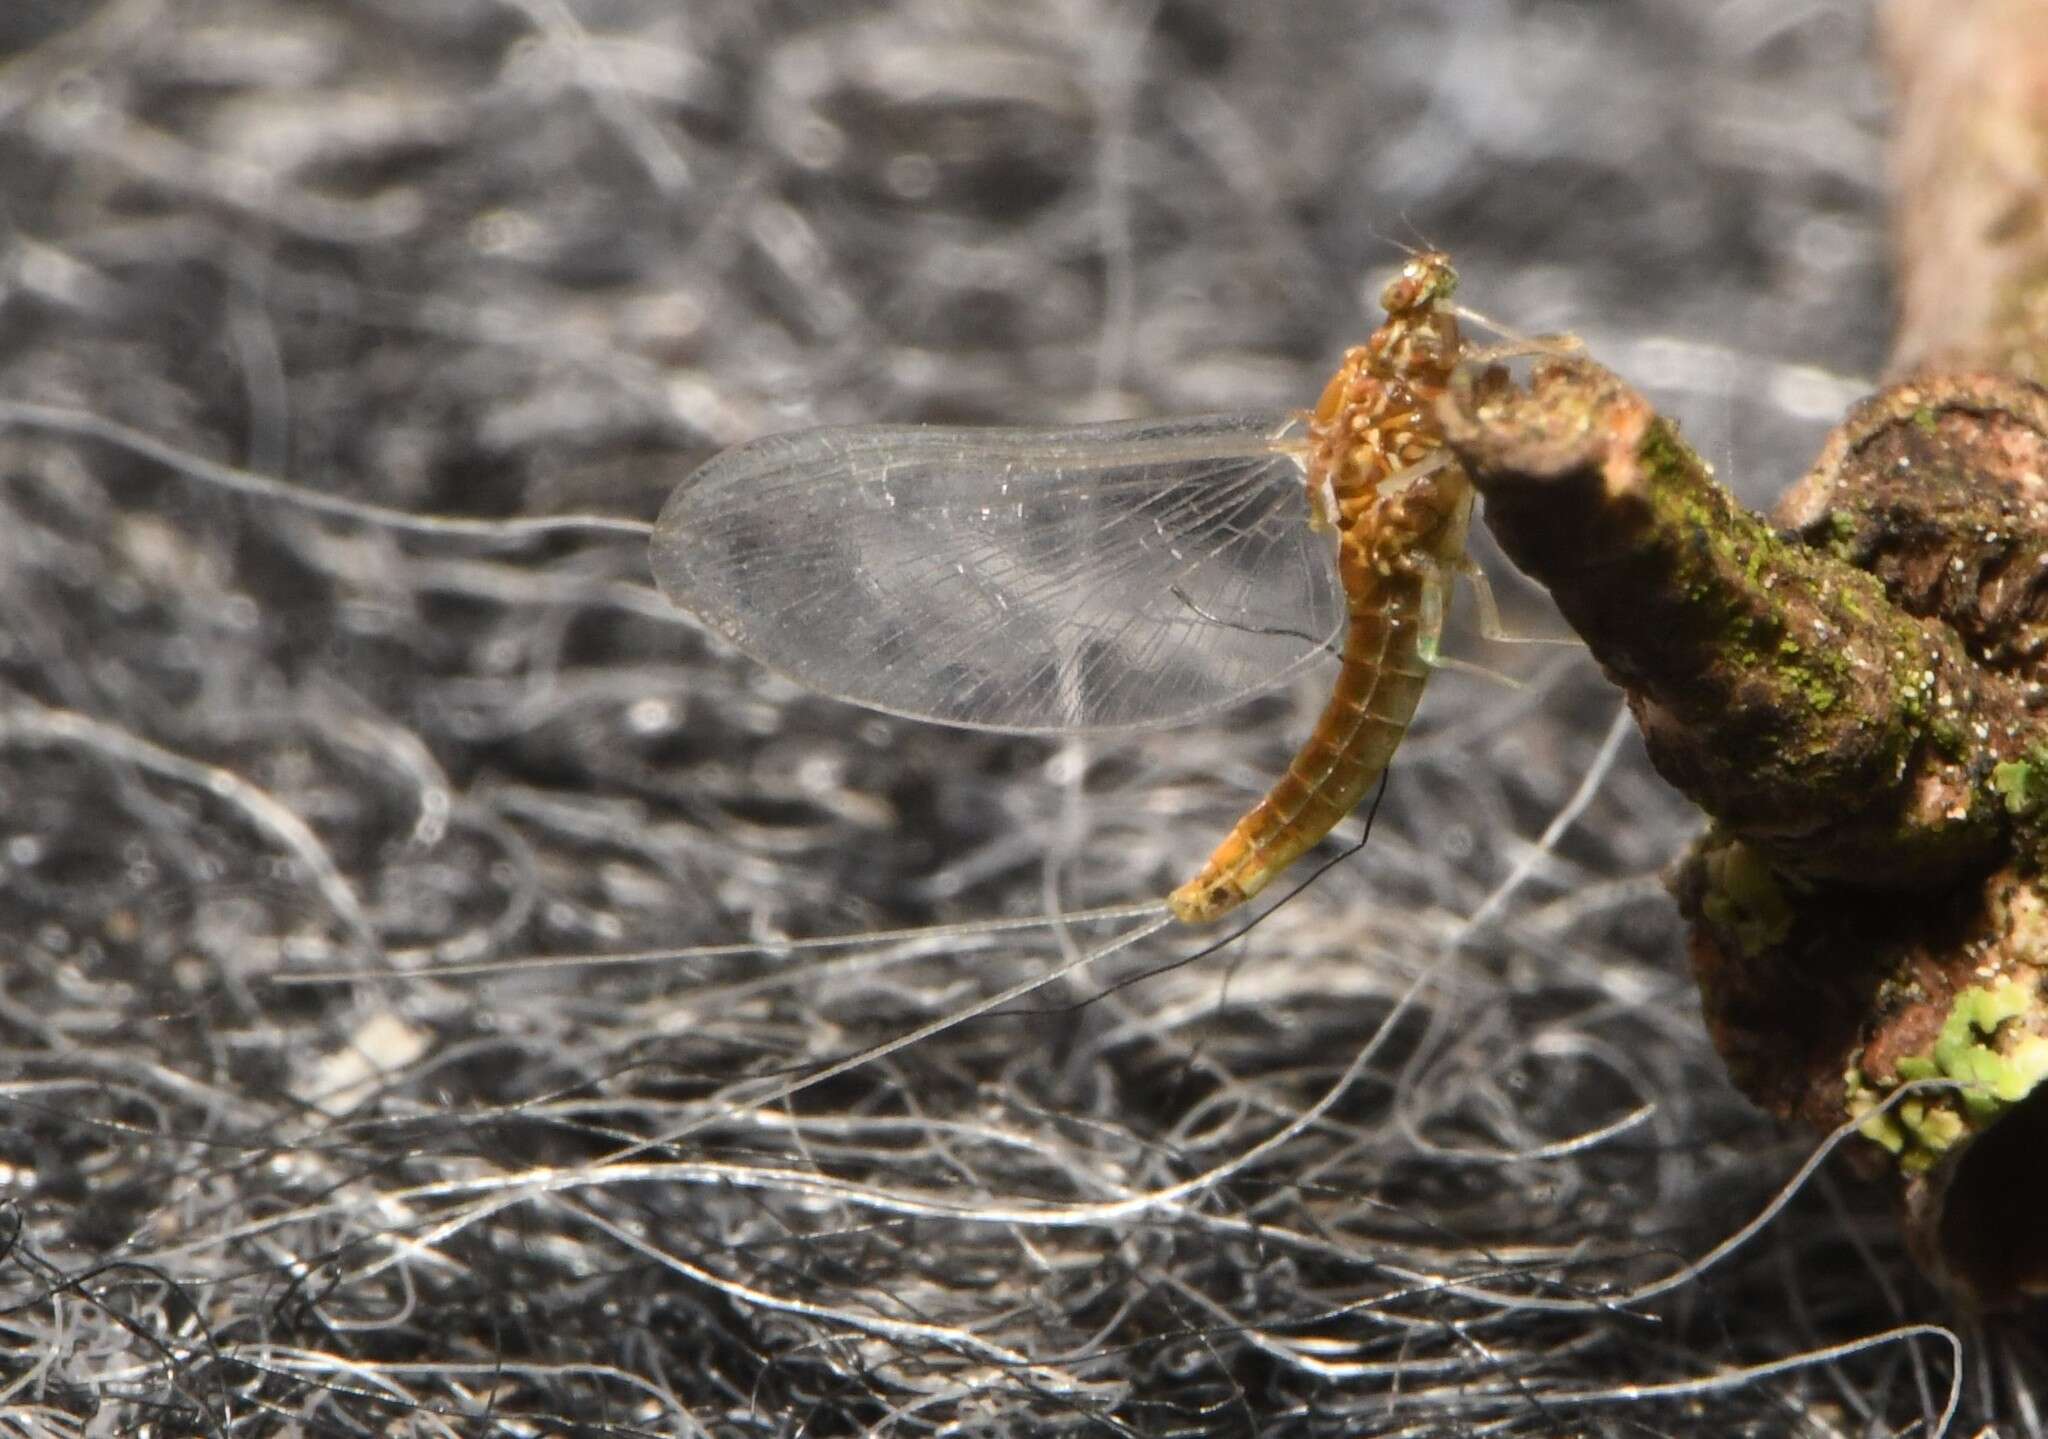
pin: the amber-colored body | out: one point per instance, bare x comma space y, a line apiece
1402, 505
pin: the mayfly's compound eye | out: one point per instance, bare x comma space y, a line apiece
1423, 281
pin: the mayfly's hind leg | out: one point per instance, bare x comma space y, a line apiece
1436, 602
1436, 596
1490, 624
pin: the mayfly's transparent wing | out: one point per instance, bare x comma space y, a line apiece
1099, 577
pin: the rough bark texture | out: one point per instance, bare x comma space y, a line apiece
1841, 737
1855, 695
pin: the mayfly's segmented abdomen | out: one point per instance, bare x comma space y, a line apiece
1376, 468
1377, 690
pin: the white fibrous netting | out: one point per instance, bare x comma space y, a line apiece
1438, 1148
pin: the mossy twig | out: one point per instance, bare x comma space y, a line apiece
1840, 736
1850, 698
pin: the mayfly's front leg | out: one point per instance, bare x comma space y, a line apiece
1514, 344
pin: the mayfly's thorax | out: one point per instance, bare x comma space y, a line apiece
1421, 349
1376, 420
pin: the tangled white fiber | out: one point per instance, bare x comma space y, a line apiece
1439, 1148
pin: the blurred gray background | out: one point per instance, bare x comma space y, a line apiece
1429, 1152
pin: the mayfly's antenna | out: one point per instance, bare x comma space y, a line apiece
1428, 245
1420, 248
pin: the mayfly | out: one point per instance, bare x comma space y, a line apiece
1113, 576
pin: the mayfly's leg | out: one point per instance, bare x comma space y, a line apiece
1542, 347
1436, 601
1323, 513
1515, 345
1408, 475
1437, 579
1489, 611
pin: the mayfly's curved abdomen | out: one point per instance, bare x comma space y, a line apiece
1367, 714
1401, 506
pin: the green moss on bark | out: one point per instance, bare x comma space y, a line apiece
1818, 722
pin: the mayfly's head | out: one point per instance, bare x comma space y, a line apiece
1423, 281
